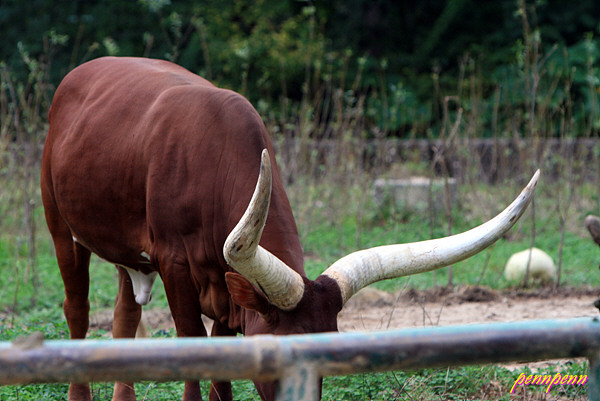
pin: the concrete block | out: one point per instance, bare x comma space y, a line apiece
414, 192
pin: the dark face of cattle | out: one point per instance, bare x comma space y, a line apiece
159, 172
316, 312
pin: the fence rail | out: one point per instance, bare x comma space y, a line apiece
490, 159
298, 361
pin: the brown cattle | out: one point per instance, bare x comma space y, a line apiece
155, 170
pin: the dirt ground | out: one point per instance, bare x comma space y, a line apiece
371, 309
375, 310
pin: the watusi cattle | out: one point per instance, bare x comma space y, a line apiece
156, 170
592, 223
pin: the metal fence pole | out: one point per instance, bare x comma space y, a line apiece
299, 361
593, 383
299, 383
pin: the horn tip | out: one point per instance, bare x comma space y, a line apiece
264, 156
534, 180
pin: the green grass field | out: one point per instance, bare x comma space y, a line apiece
328, 233
531, 100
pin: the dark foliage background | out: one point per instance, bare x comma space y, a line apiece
404, 56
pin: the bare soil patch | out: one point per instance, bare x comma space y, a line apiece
372, 309
376, 310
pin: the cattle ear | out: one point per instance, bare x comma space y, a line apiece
245, 295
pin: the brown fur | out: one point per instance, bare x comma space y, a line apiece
144, 156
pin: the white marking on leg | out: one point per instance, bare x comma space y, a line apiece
74, 239
142, 284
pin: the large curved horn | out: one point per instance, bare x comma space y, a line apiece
283, 286
359, 269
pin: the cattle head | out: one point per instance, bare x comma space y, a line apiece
287, 303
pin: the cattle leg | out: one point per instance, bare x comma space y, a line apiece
187, 315
73, 261
221, 391
126, 318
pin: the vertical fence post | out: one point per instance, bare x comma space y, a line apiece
593, 383
299, 383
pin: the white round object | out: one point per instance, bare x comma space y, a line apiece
541, 266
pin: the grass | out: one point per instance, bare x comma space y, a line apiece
327, 241
324, 242
335, 212
462, 383
25, 309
